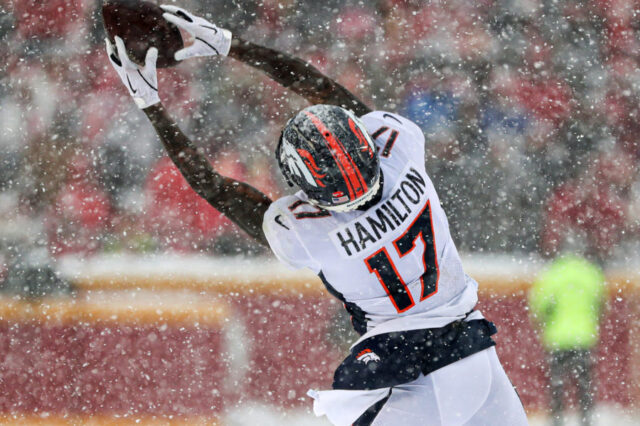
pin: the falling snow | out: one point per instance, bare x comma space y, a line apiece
125, 296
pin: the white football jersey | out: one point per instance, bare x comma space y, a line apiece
394, 265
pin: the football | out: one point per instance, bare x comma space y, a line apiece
141, 26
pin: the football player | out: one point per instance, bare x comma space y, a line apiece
367, 220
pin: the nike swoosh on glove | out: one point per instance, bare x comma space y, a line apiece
209, 39
142, 82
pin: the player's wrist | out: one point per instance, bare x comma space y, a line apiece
153, 109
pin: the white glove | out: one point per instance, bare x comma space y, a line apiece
209, 39
142, 83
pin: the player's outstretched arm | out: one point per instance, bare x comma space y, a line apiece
297, 75
291, 72
239, 201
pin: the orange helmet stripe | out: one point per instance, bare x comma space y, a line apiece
350, 171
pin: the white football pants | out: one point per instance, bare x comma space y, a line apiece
474, 391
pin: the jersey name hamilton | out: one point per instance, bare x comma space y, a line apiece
406, 198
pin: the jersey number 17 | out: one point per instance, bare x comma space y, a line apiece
381, 264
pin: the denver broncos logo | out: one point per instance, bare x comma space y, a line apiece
366, 146
312, 166
367, 356
306, 168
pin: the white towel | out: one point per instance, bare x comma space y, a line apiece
343, 407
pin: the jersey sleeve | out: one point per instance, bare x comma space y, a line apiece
376, 121
283, 239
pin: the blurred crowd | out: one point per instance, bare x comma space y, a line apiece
529, 107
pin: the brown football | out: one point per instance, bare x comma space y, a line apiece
141, 26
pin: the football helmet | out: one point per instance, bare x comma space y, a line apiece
326, 151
